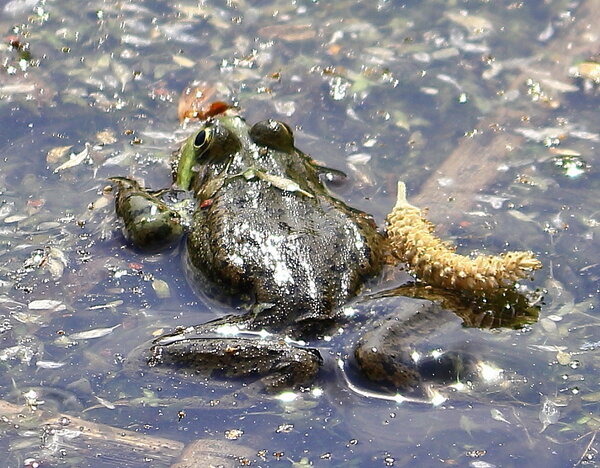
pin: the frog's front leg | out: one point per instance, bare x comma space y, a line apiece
148, 223
277, 363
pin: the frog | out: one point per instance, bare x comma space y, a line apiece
267, 236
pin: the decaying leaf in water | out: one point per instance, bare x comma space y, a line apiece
74, 159
55, 263
498, 416
6, 209
122, 72
23, 353
102, 202
161, 288
57, 153
15, 218
94, 333
46, 304
476, 25
561, 151
543, 134
25, 317
195, 103
183, 61
358, 159
559, 86
108, 305
17, 88
468, 425
49, 364
549, 413
521, 216
595, 397
288, 32
549, 326
563, 358
105, 403
550, 348
106, 137
64, 341
588, 70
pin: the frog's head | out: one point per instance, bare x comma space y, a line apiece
220, 139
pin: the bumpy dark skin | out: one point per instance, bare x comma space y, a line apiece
299, 255
267, 232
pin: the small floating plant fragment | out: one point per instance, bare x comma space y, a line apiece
436, 262
93, 333
49, 364
57, 153
74, 159
571, 165
282, 183
478, 26
588, 70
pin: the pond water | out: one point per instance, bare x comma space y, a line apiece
484, 109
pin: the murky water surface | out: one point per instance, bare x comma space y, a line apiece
475, 105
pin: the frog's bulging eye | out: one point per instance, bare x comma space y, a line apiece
273, 134
215, 142
202, 140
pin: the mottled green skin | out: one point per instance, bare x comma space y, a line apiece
297, 255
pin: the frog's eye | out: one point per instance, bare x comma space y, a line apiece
215, 142
273, 134
202, 141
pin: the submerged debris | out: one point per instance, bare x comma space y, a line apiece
436, 263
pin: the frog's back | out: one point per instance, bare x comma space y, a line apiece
298, 254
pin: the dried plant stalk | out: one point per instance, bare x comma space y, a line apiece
435, 261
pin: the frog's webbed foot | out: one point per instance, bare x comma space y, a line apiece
420, 345
294, 368
148, 223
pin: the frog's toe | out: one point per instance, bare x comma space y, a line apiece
300, 368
